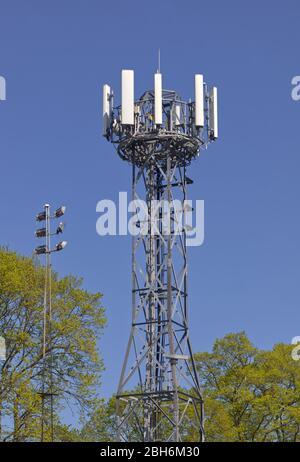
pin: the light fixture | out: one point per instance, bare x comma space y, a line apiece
61, 245
60, 212
60, 228
40, 232
41, 216
46, 231
41, 249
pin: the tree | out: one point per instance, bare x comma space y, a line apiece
101, 424
250, 395
78, 321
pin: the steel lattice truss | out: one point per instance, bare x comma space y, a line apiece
159, 397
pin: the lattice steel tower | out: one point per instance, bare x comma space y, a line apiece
159, 396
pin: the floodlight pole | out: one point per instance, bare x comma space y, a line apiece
47, 392
47, 380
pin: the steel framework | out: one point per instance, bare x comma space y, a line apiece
159, 396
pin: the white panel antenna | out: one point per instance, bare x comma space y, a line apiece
158, 98
106, 108
177, 115
213, 113
127, 116
199, 101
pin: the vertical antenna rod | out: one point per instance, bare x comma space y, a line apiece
158, 69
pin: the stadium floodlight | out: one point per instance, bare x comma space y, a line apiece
40, 232
60, 228
41, 216
41, 249
61, 245
60, 212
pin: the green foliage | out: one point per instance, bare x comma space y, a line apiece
78, 321
250, 395
101, 425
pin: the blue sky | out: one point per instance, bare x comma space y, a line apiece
55, 56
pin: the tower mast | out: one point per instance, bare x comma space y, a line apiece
159, 396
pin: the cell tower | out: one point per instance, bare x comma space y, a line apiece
159, 396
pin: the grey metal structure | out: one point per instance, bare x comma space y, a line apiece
48, 392
159, 396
